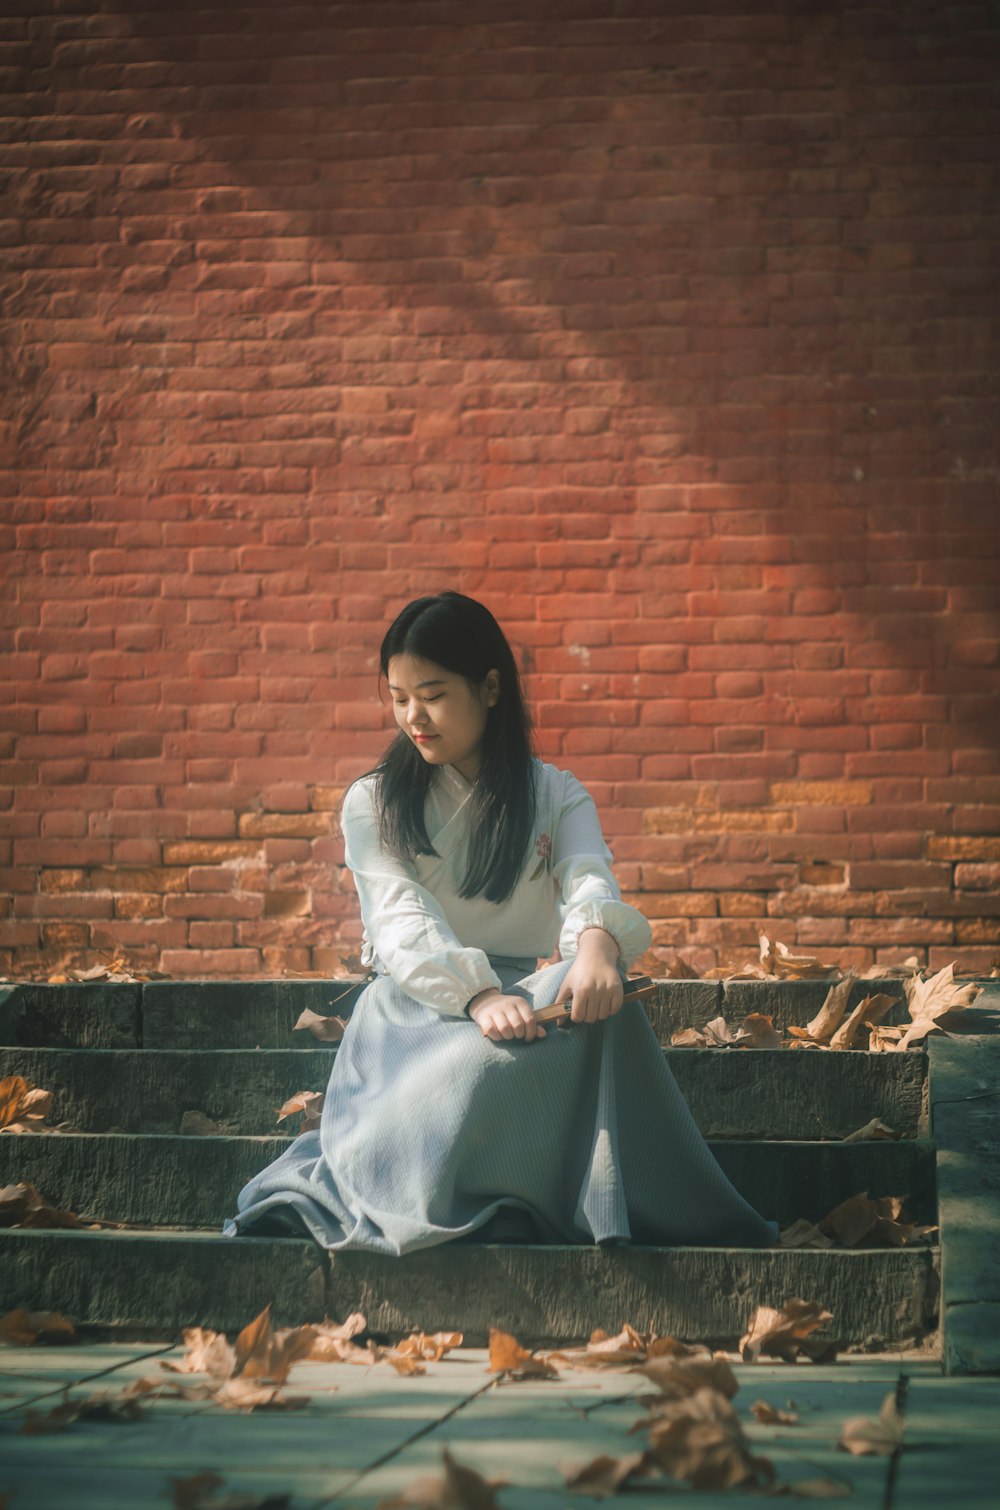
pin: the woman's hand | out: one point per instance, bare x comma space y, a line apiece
593, 980
500, 1016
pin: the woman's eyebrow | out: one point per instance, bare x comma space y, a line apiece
436, 682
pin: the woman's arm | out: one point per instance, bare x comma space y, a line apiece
407, 928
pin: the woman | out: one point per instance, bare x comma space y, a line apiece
450, 1112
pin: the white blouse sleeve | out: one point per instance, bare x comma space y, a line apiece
590, 896
408, 930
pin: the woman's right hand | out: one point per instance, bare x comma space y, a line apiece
500, 1016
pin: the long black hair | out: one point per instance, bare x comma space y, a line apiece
461, 635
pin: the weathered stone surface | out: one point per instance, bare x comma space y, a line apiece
742, 1093
221, 1014
792, 1003
190, 1181
159, 1282
88, 1014
965, 1098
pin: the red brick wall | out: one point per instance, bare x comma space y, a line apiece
668, 329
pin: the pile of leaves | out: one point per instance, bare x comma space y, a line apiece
935, 1005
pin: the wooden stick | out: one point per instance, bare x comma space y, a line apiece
637, 987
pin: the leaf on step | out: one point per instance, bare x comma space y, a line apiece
245, 1394
626, 1348
606, 1475
804, 1234
699, 1440
677, 1377
23, 1206
507, 1356
872, 1131
326, 1029
198, 1493
195, 1124
884, 1040
207, 1352
432, 1346
716, 1034
458, 1488
830, 1015
781, 962
932, 1003
910, 966
262, 1353
688, 1038
21, 1328
860, 1222
310, 1103
677, 968
869, 1011
332, 1341
770, 1415
118, 1409
757, 1031
23, 1105
862, 1436
780, 1334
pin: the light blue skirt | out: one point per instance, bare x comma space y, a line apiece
428, 1128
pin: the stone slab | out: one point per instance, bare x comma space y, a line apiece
93, 1015
166, 1179
743, 1093
965, 1114
793, 1003
221, 1014
151, 1284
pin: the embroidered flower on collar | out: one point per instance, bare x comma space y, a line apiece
543, 849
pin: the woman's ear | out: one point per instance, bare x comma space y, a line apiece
492, 688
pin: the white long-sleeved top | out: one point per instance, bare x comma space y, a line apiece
434, 943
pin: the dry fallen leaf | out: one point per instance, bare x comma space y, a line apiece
626, 1348
716, 1034
757, 1031
606, 1475
507, 1356
23, 1206
326, 1029
118, 1409
198, 1493
830, 1015
677, 1377
458, 1488
931, 1003
21, 1328
261, 1353
862, 1436
814, 1489
872, 1131
699, 1440
781, 962
781, 1334
310, 1103
882, 1223
770, 1415
677, 968
23, 1105
431, 1346
869, 1011
804, 1234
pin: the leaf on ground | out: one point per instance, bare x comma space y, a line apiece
103, 1406
677, 1377
781, 1334
310, 1103
699, 1440
332, 1341
431, 1346
262, 1353
757, 1031
770, 1415
884, 1040
23, 1206
458, 1488
872, 1132
862, 1436
24, 1106
198, 1493
21, 1328
869, 1011
830, 1015
860, 1222
626, 1348
607, 1475
716, 1034
507, 1356
244, 1394
804, 1234
781, 962
326, 1029
207, 1352
678, 968
931, 1003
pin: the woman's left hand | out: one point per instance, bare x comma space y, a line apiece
592, 980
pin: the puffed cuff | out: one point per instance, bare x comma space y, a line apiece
445, 985
627, 926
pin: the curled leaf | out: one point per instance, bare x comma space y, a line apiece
326, 1029
862, 1436
507, 1356
780, 1334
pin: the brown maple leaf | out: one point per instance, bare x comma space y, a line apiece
933, 1004
21, 1328
22, 1205
781, 1333
326, 1029
781, 962
677, 1377
431, 1346
862, 1436
861, 1222
507, 1356
457, 1488
869, 1011
606, 1475
823, 1026
699, 1440
310, 1103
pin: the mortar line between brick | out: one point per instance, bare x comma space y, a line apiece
393, 1452
59, 1389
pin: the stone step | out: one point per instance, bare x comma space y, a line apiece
229, 1014
152, 1283
170, 1180
732, 1093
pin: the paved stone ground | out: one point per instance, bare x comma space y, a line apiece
367, 1433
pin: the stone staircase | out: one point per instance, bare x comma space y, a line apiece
176, 1084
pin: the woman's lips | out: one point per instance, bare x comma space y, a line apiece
425, 739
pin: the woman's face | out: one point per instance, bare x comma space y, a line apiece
438, 709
